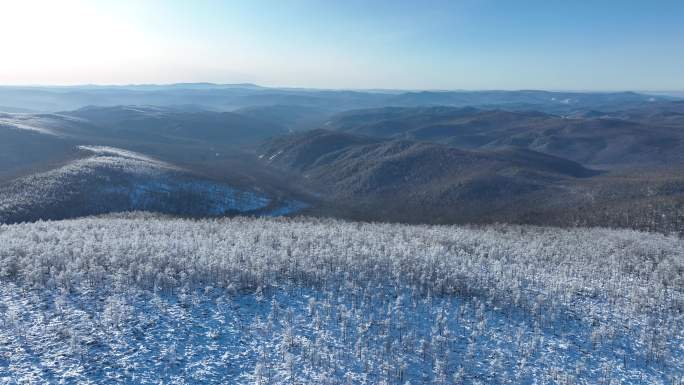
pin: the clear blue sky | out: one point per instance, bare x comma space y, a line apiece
458, 44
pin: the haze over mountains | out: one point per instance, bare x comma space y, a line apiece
626, 138
232, 96
562, 158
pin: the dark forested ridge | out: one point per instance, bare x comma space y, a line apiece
637, 137
417, 181
411, 181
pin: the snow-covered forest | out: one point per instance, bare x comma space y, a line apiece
137, 298
110, 179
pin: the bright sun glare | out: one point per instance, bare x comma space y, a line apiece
68, 36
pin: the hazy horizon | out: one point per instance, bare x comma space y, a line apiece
672, 92
463, 45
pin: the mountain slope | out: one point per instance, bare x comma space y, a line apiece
416, 181
173, 124
27, 148
421, 182
666, 113
602, 141
293, 117
106, 179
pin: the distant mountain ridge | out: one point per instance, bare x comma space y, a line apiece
601, 139
182, 123
232, 96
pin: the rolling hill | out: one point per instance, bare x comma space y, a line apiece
596, 141
293, 117
184, 136
418, 181
227, 97
178, 124
107, 179
367, 178
547, 101
29, 146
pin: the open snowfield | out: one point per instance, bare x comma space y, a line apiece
147, 299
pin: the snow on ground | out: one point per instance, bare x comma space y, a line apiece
144, 299
113, 152
111, 179
49, 124
15, 122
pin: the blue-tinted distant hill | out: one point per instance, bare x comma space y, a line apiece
233, 96
650, 134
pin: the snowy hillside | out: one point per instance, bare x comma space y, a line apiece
109, 179
27, 122
146, 299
